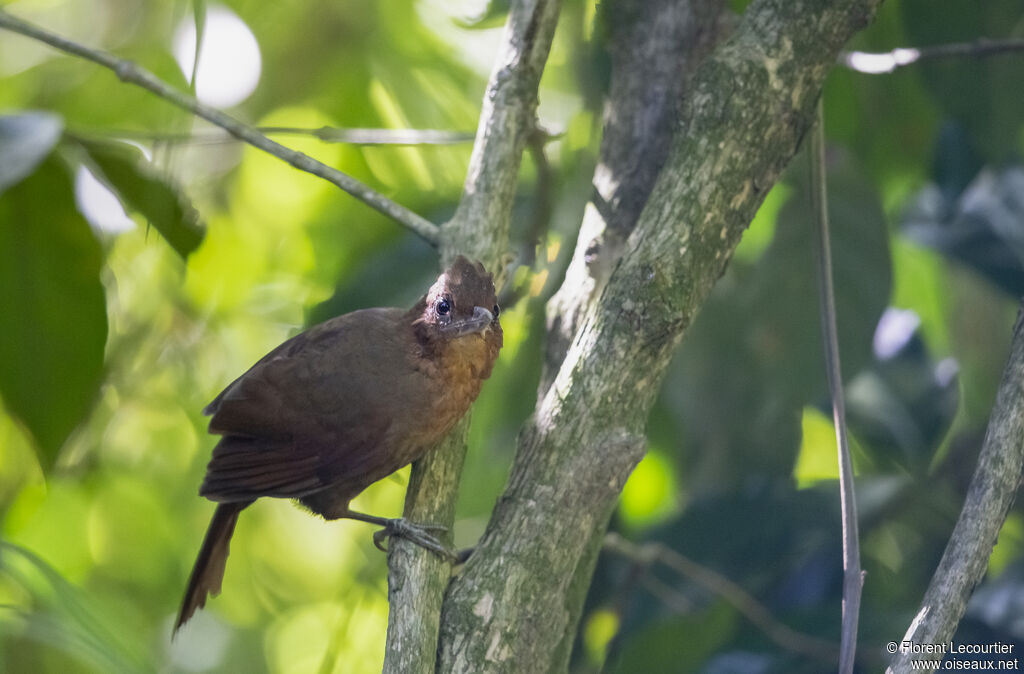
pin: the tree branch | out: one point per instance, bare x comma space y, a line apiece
479, 229
327, 134
655, 45
720, 586
751, 103
417, 578
132, 73
886, 62
508, 118
989, 498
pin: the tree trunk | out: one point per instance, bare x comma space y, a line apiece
516, 604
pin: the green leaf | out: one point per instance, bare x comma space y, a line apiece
64, 617
901, 407
784, 291
126, 172
25, 140
53, 308
755, 351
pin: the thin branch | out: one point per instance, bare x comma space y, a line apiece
886, 62
380, 136
327, 134
673, 599
992, 491
132, 73
853, 579
720, 586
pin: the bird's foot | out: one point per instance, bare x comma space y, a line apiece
415, 533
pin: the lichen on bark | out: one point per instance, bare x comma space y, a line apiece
750, 104
515, 605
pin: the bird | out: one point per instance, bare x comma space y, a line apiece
340, 406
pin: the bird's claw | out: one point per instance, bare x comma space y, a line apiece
415, 533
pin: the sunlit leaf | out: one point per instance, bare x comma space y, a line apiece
55, 321
599, 630
649, 494
64, 617
1009, 544
25, 140
124, 169
817, 458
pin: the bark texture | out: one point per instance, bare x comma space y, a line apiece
654, 47
417, 579
749, 105
989, 498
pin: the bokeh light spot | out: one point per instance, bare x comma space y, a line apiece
229, 57
649, 495
99, 205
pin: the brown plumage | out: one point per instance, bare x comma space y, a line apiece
344, 404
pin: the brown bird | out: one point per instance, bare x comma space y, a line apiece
342, 405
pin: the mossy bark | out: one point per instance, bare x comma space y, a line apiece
479, 230
992, 491
515, 605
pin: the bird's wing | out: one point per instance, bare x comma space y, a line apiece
303, 416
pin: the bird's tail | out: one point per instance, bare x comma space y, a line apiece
208, 571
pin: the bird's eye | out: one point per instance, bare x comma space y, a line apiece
443, 307
496, 311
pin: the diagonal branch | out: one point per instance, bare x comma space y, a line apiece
989, 498
750, 104
714, 582
327, 134
655, 46
132, 73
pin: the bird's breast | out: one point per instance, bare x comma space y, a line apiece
456, 372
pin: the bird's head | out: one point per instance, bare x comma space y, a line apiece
461, 308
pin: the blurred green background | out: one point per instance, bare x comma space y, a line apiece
118, 326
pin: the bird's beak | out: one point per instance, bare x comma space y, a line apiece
478, 322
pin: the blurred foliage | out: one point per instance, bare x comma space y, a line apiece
123, 319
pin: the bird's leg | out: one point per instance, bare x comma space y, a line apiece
411, 531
